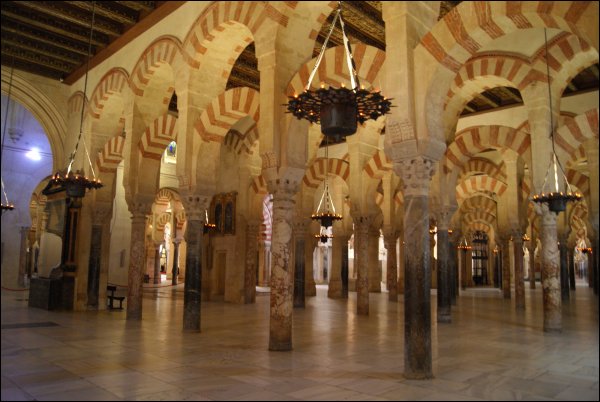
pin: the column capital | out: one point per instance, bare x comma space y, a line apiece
443, 216
101, 214
416, 175
195, 205
140, 205
301, 226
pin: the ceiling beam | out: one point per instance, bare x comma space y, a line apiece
146, 6
35, 48
510, 93
488, 98
32, 58
106, 10
25, 32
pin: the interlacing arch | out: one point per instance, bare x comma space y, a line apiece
114, 81
111, 154
479, 203
333, 70
569, 136
157, 136
226, 110
164, 196
316, 173
161, 220
473, 140
378, 165
477, 184
488, 228
478, 216
484, 166
242, 142
164, 50
75, 103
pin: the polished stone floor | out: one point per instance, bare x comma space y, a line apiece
489, 352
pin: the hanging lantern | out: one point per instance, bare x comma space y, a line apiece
325, 212
207, 225
338, 110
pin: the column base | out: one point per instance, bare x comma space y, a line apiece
280, 346
418, 376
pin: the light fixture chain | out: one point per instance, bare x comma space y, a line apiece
322, 52
4, 192
349, 59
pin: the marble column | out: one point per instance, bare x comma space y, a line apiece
174, 279
157, 274
532, 264
282, 268
310, 242
93, 284
139, 210
550, 271
401, 253
300, 229
519, 275
564, 269
505, 250
374, 269
335, 276
345, 268
23, 256
443, 276
390, 240
571, 266
252, 230
195, 206
416, 175
361, 260
453, 269
464, 254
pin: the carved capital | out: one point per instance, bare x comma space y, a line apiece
416, 175
195, 206
301, 227
443, 216
140, 206
101, 215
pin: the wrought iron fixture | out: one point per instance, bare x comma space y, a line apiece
325, 212
464, 246
6, 205
550, 192
76, 182
338, 109
324, 237
585, 250
207, 225
525, 237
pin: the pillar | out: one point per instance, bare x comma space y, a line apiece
416, 175
195, 206
310, 287
463, 268
345, 267
93, 283
139, 209
564, 269
550, 271
157, 273
443, 266
300, 229
532, 264
361, 260
401, 252
505, 250
571, 266
591, 151
252, 230
390, 240
175, 261
519, 276
374, 269
453, 267
335, 276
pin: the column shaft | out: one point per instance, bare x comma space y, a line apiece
550, 273
251, 263
175, 262
443, 285
192, 295
519, 276
136, 265
157, 273
93, 285
506, 267
392, 267
361, 259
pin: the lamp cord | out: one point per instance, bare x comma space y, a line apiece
85, 82
12, 68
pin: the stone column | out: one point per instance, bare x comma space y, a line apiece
550, 271
416, 175
282, 268
23, 256
175, 261
401, 252
571, 266
505, 250
390, 239
157, 273
592, 152
252, 230
335, 276
310, 242
443, 276
361, 260
453, 266
564, 268
139, 210
194, 205
345, 267
463, 268
532, 263
99, 217
519, 276
373, 270
300, 229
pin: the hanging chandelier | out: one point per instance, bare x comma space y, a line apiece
76, 182
464, 246
325, 212
338, 110
6, 205
207, 225
550, 193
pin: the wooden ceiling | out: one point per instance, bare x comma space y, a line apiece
50, 38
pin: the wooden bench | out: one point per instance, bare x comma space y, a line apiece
112, 298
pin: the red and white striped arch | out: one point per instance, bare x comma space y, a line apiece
242, 142
378, 165
226, 110
476, 139
157, 136
165, 196
579, 181
161, 220
259, 185
480, 226
316, 173
164, 50
479, 203
333, 69
111, 155
477, 184
478, 216
570, 136
484, 166
113, 82
75, 103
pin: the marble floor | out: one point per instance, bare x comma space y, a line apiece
488, 352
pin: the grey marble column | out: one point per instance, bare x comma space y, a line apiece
310, 242
550, 271
519, 276
282, 267
505, 242
361, 260
345, 269
335, 276
300, 229
571, 266
174, 279
194, 238
532, 265
443, 283
157, 273
137, 264
390, 238
252, 230
564, 269
416, 175
373, 268
93, 284
453, 267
